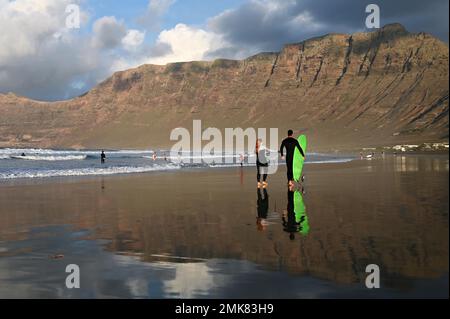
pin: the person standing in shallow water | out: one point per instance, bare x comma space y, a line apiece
261, 163
290, 143
102, 157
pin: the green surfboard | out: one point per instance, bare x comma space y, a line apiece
300, 214
299, 159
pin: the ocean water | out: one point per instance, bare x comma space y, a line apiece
46, 163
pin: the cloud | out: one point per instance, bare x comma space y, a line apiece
21, 34
186, 43
39, 56
108, 33
43, 59
267, 25
160, 49
155, 11
133, 40
262, 25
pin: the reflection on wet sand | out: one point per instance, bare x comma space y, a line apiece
290, 224
395, 218
406, 164
262, 205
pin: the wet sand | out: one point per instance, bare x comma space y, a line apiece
195, 233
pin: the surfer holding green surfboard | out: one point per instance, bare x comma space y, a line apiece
294, 162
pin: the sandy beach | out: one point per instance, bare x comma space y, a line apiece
195, 233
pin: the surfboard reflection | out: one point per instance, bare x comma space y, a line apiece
294, 219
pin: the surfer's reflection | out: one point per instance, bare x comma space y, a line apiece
294, 218
262, 205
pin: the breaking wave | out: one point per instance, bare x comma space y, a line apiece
50, 158
85, 171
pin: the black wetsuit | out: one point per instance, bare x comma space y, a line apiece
290, 144
103, 157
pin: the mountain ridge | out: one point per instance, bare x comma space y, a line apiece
345, 91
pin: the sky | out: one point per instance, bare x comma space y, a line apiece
44, 57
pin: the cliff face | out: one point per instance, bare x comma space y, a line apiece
344, 91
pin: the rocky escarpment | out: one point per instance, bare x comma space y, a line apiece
376, 88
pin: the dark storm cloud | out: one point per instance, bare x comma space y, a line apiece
267, 25
416, 15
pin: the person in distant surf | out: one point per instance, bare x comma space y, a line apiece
23, 155
261, 163
290, 143
262, 205
103, 157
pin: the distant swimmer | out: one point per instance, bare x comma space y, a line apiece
261, 163
102, 157
154, 156
290, 143
23, 155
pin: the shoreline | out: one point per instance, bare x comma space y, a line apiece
423, 146
344, 163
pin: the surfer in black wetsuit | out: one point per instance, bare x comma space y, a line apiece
103, 157
263, 208
290, 144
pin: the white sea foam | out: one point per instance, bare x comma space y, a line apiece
41, 163
334, 160
85, 171
50, 158
38, 151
